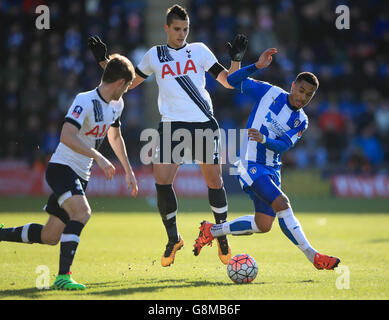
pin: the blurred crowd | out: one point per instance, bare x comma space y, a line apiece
42, 71
349, 115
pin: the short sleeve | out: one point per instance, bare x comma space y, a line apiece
119, 105
117, 123
144, 68
77, 112
208, 59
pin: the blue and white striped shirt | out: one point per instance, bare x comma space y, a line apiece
272, 115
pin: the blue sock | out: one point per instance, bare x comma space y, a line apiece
291, 227
240, 226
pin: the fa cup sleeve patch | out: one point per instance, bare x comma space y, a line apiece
77, 111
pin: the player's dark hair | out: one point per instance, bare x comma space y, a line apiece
176, 12
118, 67
308, 77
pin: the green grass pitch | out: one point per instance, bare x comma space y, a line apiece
121, 246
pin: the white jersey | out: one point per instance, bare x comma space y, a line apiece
93, 116
180, 75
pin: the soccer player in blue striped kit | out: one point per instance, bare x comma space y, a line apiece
275, 124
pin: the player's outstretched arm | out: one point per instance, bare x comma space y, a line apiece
118, 146
137, 81
265, 58
264, 61
70, 138
236, 50
99, 50
222, 77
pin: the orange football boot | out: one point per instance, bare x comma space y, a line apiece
224, 249
322, 261
170, 252
205, 237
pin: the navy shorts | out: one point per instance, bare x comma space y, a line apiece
188, 142
65, 183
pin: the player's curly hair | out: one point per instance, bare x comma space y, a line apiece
176, 12
118, 67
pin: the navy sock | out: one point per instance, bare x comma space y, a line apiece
29, 233
167, 206
218, 201
69, 243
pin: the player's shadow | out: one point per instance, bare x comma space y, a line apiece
160, 285
29, 293
34, 293
380, 240
118, 288
108, 284
302, 281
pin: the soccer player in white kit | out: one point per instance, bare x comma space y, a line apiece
184, 104
92, 116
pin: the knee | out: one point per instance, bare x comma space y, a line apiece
52, 242
281, 203
264, 227
82, 215
215, 182
163, 180
50, 239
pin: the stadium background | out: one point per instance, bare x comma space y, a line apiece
344, 153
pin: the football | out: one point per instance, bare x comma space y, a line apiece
242, 268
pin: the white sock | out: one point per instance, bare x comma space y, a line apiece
291, 227
239, 226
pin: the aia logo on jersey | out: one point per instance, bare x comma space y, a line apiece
77, 111
177, 70
98, 132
